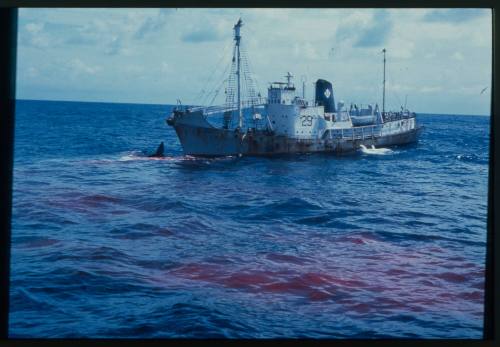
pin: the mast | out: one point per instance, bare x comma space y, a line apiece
383, 93
288, 78
237, 38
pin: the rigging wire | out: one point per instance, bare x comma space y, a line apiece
221, 85
209, 94
255, 82
200, 95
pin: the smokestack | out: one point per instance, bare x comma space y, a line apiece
324, 95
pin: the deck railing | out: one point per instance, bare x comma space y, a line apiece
392, 116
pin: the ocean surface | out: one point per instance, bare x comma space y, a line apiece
109, 243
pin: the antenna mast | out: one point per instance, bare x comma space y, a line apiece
383, 93
304, 78
237, 38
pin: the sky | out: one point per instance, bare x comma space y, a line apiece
438, 60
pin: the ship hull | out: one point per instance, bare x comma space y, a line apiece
210, 142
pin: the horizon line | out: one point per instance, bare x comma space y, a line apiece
174, 104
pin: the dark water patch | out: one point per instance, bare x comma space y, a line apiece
452, 277
41, 226
154, 264
288, 208
198, 321
35, 241
119, 212
407, 237
165, 232
377, 220
411, 214
23, 300
158, 205
106, 253
285, 258
140, 231
99, 200
130, 235
468, 216
91, 283
419, 224
36, 183
474, 296
315, 220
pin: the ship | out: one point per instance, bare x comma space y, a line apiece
285, 122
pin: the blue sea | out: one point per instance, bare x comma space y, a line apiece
109, 243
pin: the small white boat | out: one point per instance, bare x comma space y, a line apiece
373, 150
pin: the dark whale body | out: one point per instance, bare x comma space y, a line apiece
159, 151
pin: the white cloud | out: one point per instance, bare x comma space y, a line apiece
165, 68
305, 51
36, 35
79, 67
33, 72
113, 45
34, 28
147, 23
458, 56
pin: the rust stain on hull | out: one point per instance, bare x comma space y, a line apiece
222, 142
